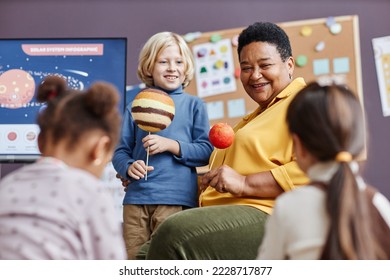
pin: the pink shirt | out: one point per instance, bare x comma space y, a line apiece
51, 211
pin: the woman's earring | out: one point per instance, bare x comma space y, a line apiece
97, 162
290, 76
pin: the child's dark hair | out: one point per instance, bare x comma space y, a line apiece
329, 122
266, 32
51, 88
71, 114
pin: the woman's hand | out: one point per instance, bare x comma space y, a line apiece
224, 179
137, 169
158, 144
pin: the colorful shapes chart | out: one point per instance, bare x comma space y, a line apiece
215, 72
382, 63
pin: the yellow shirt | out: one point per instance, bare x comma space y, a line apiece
262, 142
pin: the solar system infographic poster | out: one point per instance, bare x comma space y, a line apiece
25, 63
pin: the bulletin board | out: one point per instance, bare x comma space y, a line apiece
324, 50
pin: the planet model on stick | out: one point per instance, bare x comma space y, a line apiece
152, 110
221, 135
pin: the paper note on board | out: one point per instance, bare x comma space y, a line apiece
215, 110
321, 66
382, 62
341, 65
236, 108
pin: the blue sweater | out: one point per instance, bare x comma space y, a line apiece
173, 180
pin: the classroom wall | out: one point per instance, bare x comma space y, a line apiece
138, 20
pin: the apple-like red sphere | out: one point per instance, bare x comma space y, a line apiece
221, 135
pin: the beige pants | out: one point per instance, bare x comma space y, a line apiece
140, 221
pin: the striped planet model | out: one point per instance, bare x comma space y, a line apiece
153, 110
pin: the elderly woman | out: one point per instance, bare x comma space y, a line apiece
239, 192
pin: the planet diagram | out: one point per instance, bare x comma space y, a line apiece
17, 88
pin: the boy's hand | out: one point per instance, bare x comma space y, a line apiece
158, 144
137, 169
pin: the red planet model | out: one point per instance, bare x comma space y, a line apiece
221, 135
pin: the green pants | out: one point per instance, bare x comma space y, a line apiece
231, 232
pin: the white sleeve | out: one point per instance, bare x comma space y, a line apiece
273, 244
383, 206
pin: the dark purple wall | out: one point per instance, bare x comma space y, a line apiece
138, 20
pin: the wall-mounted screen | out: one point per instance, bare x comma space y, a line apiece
24, 63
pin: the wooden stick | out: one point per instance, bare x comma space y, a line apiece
147, 163
212, 161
